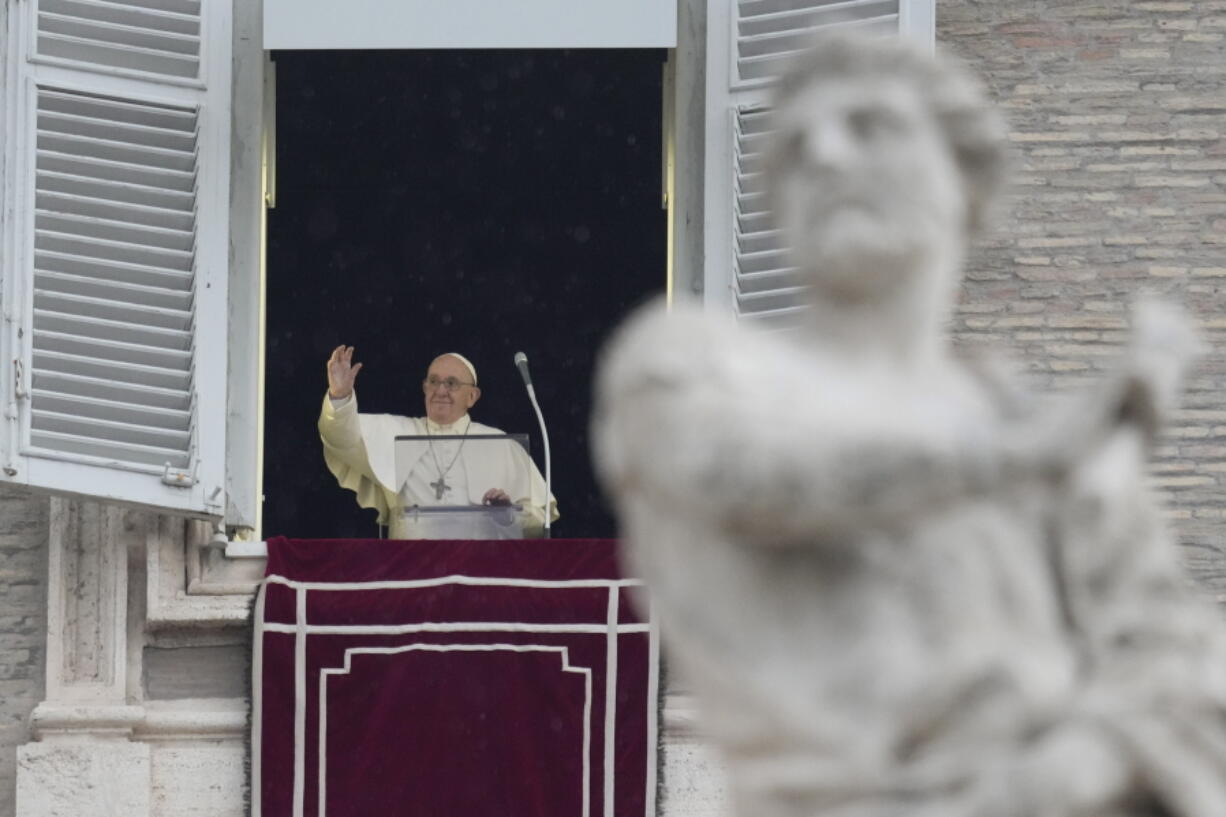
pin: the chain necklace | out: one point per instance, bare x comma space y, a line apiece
441, 486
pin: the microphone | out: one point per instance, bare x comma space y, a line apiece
521, 363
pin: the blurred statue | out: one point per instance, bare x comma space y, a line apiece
899, 585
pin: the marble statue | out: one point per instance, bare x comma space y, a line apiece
900, 583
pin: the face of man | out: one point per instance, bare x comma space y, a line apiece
443, 405
864, 183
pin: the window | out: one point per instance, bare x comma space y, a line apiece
115, 250
748, 44
483, 201
131, 261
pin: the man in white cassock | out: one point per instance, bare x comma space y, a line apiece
442, 470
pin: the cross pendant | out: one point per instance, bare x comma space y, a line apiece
439, 487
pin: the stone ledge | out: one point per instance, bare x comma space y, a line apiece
189, 718
195, 719
52, 720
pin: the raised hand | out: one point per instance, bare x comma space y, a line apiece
341, 372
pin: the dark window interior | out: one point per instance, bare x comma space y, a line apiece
483, 202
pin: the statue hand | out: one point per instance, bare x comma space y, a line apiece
342, 372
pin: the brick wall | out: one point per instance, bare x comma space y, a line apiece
23, 625
1118, 117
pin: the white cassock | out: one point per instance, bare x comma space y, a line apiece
360, 452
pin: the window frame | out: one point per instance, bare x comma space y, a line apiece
400, 24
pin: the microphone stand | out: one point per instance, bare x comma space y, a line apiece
521, 363
540, 418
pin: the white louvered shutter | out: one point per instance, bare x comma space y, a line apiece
749, 42
117, 181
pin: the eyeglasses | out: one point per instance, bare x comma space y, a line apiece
449, 383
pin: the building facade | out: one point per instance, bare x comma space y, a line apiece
123, 644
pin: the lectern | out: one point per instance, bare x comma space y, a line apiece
462, 522
448, 462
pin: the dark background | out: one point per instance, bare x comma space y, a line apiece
483, 202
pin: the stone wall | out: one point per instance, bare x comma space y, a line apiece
23, 625
1118, 118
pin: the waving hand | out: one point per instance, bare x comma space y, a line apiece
342, 372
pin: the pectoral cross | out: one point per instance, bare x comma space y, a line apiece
439, 487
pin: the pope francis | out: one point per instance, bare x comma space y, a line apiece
434, 471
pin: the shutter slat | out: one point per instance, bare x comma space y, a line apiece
151, 40
136, 374
774, 259
771, 34
121, 251
774, 300
151, 61
187, 7
122, 212
753, 8
152, 338
772, 305
751, 187
755, 223
105, 270
125, 133
93, 167
111, 290
128, 14
760, 65
119, 152
95, 407
110, 350
110, 430
763, 241
759, 18
121, 192
136, 394
752, 203
779, 278
107, 309
778, 322
102, 448
751, 166
118, 232
119, 112
783, 45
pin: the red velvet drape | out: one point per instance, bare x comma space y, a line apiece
451, 678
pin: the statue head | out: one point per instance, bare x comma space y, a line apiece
883, 161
